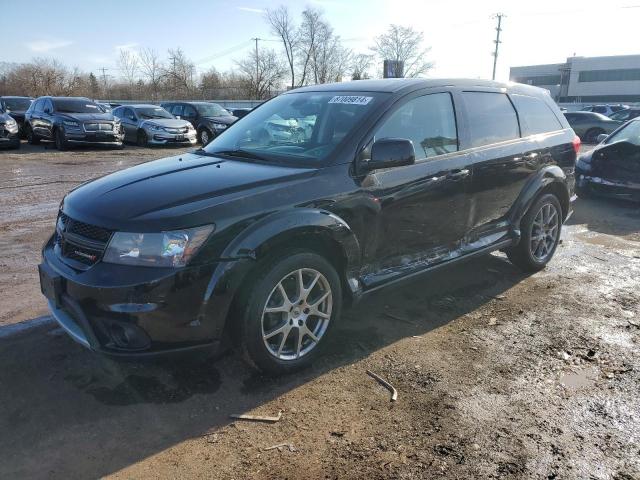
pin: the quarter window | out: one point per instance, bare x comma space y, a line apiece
491, 117
428, 121
535, 115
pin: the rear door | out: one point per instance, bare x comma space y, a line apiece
423, 207
501, 160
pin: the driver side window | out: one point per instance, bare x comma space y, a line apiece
428, 121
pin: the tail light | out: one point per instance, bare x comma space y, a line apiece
576, 144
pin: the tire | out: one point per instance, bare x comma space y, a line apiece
61, 142
204, 136
592, 135
270, 340
32, 139
141, 139
532, 257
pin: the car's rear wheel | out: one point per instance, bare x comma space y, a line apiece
142, 140
540, 227
204, 136
32, 139
60, 140
289, 312
592, 135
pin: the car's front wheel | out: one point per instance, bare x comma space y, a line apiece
142, 140
204, 136
32, 139
61, 141
540, 228
289, 312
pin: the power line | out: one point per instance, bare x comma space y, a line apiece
497, 42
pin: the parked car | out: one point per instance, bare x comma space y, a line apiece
71, 121
264, 241
613, 167
606, 110
209, 119
16, 107
106, 108
9, 131
153, 125
626, 114
240, 112
589, 125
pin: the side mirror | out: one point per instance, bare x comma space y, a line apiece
391, 152
601, 138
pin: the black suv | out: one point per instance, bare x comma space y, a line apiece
266, 232
71, 121
9, 131
209, 119
16, 107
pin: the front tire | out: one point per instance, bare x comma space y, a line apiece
204, 137
290, 312
540, 227
60, 140
32, 139
141, 139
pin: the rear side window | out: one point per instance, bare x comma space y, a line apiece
535, 115
491, 118
428, 121
176, 110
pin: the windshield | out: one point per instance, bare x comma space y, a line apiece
73, 105
211, 110
16, 104
629, 133
152, 112
298, 127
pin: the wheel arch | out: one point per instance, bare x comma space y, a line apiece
550, 179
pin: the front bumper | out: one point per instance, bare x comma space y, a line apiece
9, 138
125, 311
164, 138
94, 138
607, 187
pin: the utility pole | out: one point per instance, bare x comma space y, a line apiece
497, 42
104, 79
257, 69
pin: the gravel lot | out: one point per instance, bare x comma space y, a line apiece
499, 374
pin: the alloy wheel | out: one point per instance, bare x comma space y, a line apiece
204, 137
544, 232
297, 314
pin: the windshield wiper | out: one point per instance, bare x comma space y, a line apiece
239, 153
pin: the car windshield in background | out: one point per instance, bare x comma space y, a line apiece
152, 112
76, 106
211, 110
17, 104
302, 128
629, 133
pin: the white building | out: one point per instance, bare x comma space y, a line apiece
586, 79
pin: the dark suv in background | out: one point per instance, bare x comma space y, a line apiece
71, 121
262, 238
9, 131
16, 107
209, 119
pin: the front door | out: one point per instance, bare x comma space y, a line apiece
423, 207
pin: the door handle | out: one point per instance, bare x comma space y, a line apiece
458, 174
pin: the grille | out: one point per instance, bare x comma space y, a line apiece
177, 130
81, 241
94, 127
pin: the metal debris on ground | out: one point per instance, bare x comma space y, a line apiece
281, 446
384, 383
257, 418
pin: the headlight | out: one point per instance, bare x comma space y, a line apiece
70, 123
219, 126
584, 163
156, 128
166, 249
11, 122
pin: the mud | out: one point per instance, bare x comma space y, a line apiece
499, 374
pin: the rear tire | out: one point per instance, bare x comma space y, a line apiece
541, 227
32, 139
271, 324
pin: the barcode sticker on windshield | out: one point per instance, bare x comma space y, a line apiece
351, 99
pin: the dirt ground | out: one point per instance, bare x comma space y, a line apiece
499, 374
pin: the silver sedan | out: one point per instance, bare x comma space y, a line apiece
153, 125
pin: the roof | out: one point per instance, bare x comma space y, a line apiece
141, 105
16, 96
392, 85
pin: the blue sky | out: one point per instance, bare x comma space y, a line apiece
89, 34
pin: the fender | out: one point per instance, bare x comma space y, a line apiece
551, 174
240, 255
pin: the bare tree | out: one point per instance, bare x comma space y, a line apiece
283, 26
179, 72
404, 44
264, 71
151, 68
128, 65
360, 65
307, 41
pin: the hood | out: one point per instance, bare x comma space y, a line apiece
226, 119
166, 122
176, 192
4, 117
84, 117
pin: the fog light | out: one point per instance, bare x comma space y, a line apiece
128, 337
